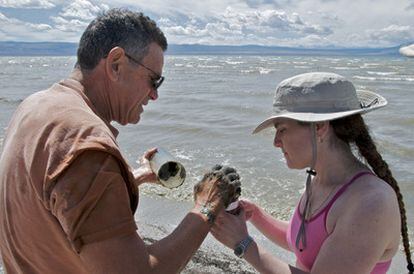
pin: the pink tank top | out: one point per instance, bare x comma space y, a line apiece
316, 233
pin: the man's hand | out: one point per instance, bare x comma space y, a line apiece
218, 188
144, 174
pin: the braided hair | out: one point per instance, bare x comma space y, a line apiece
353, 130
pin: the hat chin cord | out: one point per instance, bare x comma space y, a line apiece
301, 237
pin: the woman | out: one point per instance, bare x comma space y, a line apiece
349, 218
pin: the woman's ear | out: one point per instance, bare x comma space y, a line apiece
114, 62
322, 129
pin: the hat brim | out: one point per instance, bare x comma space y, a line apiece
367, 98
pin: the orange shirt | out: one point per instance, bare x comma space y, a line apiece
63, 183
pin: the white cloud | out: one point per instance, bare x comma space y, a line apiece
73, 17
267, 22
3, 18
313, 40
410, 6
77, 15
69, 25
392, 33
179, 8
83, 10
32, 4
232, 26
38, 27
66, 25
272, 19
17, 30
12, 23
261, 3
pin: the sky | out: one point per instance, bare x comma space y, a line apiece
292, 23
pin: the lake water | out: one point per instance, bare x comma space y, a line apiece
208, 106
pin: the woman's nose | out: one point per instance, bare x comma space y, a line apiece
276, 141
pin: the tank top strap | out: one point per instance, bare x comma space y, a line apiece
343, 189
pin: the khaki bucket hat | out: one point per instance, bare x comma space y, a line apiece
319, 96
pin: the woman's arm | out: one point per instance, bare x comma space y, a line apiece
231, 230
365, 229
274, 229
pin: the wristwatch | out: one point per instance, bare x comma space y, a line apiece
241, 247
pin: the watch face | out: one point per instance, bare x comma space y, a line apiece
242, 246
238, 251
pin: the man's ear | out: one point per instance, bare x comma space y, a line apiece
114, 63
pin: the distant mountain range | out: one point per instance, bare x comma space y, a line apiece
69, 49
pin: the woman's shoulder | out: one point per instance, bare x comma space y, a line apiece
367, 216
371, 188
368, 195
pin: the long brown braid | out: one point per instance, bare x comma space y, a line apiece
353, 130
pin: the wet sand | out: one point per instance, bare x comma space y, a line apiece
157, 217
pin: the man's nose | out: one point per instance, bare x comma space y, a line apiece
153, 95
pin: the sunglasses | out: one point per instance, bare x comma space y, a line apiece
156, 82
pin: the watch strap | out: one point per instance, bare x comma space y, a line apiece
242, 246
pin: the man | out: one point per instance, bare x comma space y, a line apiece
67, 195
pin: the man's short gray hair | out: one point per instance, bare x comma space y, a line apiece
132, 31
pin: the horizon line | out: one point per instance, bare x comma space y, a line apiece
332, 47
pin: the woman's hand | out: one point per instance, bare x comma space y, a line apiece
144, 173
250, 208
230, 229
